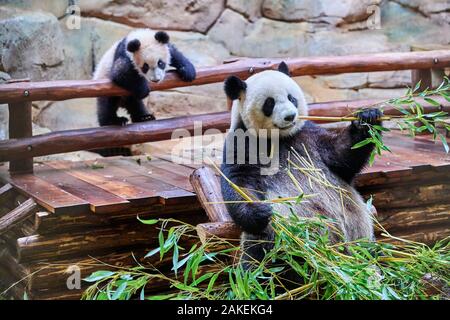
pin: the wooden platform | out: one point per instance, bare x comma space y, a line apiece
88, 209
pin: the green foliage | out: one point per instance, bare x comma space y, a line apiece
357, 270
410, 105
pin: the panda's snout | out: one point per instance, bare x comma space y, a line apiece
290, 117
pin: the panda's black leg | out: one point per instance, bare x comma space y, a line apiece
137, 110
107, 112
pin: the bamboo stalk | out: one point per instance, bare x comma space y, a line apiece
342, 119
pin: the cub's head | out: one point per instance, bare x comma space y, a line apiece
149, 52
267, 100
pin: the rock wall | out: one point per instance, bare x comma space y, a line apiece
36, 43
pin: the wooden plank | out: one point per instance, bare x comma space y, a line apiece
161, 170
408, 195
428, 236
18, 215
110, 180
47, 195
114, 136
52, 274
244, 68
100, 200
20, 126
130, 172
49, 223
415, 217
98, 241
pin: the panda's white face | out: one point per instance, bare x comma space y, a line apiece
152, 57
272, 100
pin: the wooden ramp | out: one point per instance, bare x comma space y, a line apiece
88, 209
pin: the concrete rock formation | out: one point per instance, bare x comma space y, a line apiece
35, 42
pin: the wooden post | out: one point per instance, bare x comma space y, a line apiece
20, 126
423, 75
207, 187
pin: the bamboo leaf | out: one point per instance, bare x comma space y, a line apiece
362, 143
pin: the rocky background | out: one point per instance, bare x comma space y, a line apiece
36, 43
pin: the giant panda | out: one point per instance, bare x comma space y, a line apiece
271, 100
130, 63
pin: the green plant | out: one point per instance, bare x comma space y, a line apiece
410, 105
357, 270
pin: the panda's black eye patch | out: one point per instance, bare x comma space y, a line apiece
293, 100
161, 64
268, 106
145, 68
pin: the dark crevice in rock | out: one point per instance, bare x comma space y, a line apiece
45, 66
239, 13
412, 8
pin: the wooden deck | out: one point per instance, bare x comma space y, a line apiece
115, 184
88, 209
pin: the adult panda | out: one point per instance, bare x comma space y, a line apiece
130, 63
271, 100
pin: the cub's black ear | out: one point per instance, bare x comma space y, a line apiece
162, 37
234, 87
283, 67
133, 45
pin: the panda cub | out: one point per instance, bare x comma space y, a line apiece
271, 100
130, 63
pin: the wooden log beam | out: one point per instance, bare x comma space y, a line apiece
92, 138
207, 187
62, 90
18, 215
224, 230
99, 240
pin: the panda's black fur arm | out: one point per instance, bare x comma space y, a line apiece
124, 74
183, 66
335, 146
251, 217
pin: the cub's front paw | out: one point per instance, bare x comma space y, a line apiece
147, 117
119, 121
259, 216
187, 73
370, 116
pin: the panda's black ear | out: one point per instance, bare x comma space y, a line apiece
133, 45
234, 87
162, 37
283, 67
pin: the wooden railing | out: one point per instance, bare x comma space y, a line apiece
22, 147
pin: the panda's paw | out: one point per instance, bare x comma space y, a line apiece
119, 121
370, 116
187, 73
143, 118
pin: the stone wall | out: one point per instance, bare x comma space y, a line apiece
36, 43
